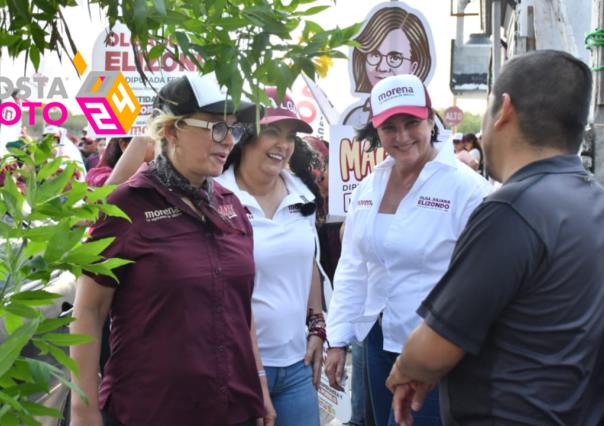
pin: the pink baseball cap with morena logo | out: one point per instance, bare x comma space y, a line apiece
399, 94
281, 111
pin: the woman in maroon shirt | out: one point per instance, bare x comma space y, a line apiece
183, 349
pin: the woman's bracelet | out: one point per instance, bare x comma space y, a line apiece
261, 373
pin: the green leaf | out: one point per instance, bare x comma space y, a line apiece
55, 185
66, 339
160, 6
104, 268
12, 346
34, 56
20, 371
61, 356
76, 193
11, 402
40, 371
22, 310
33, 295
63, 240
140, 15
113, 210
12, 322
88, 252
155, 52
312, 11
41, 410
100, 193
51, 324
73, 386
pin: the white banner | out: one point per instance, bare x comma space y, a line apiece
114, 53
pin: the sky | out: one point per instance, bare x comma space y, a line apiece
86, 29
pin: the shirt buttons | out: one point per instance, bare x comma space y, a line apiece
217, 270
220, 348
223, 389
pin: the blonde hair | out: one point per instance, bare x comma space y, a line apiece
156, 128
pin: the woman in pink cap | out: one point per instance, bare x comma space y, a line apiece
271, 173
401, 228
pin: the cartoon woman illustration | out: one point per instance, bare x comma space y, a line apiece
394, 41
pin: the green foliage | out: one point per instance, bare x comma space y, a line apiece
244, 41
470, 124
43, 216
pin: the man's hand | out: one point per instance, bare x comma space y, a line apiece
314, 357
409, 397
396, 378
334, 367
409, 394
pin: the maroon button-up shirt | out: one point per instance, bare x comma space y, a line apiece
181, 352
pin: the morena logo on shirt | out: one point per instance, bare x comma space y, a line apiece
227, 210
169, 213
434, 203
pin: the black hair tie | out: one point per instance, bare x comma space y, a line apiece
308, 207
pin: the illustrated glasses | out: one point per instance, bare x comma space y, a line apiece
393, 59
219, 129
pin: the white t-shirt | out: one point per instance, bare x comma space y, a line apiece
284, 249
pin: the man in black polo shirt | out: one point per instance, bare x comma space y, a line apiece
514, 331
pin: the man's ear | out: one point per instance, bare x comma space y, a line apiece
506, 112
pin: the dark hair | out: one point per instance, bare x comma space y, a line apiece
381, 23
113, 152
471, 137
550, 91
370, 134
301, 163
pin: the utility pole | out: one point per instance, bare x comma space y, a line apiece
496, 30
597, 53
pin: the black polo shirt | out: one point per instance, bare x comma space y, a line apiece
524, 297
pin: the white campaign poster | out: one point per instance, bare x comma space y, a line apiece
333, 402
114, 52
395, 39
349, 163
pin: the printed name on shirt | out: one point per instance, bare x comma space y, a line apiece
364, 204
294, 208
169, 213
227, 210
433, 203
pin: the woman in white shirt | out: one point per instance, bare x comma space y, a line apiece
287, 293
401, 227
470, 144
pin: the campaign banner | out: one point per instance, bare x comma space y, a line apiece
113, 52
349, 163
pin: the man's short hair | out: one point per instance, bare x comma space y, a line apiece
550, 90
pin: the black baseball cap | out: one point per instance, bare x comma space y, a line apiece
193, 93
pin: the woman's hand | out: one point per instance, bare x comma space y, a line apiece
314, 357
270, 413
334, 367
